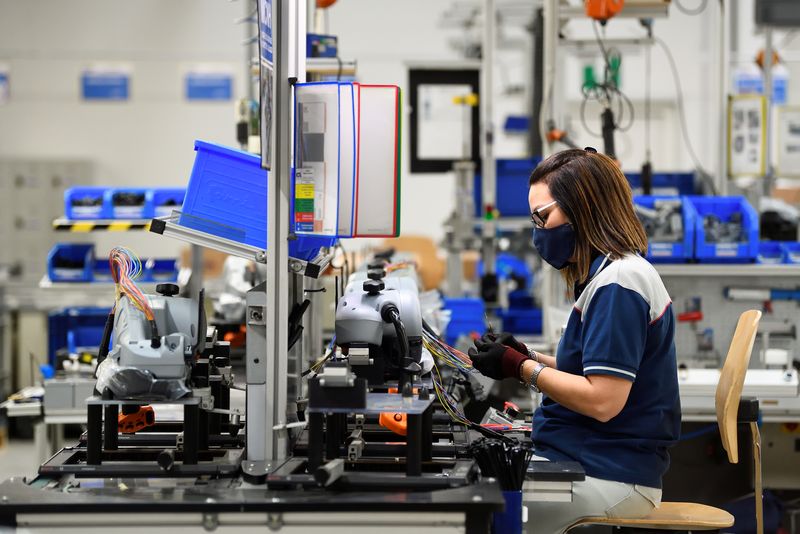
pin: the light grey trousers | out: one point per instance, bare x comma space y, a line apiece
592, 497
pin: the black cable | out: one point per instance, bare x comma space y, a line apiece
691, 12
607, 94
155, 339
400, 331
318, 290
105, 340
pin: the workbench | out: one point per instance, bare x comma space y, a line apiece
131, 505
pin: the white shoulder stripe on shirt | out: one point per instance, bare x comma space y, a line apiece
605, 368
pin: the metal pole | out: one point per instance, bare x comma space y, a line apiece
726, 17
551, 24
769, 175
488, 168
196, 279
549, 275
536, 143
277, 280
250, 50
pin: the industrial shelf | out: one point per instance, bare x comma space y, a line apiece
726, 270
169, 226
654, 9
96, 287
100, 225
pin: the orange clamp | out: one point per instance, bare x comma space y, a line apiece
131, 423
396, 422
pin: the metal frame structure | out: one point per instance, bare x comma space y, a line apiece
555, 15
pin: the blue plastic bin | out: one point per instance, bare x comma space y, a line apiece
521, 320
73, 328
227, 195
671, 252
509, 521
160, 270
724, 207
791, 252
468, 316
511, 198
129, 203
101, 271
507, 266
771, 252
670, 183
165, 200
84, 203
70, 262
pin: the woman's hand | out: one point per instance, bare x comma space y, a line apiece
496, 360
505, 339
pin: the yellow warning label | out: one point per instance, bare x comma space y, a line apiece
304, 191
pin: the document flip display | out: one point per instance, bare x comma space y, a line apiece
347, 160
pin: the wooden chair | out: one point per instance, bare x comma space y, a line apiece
731, 410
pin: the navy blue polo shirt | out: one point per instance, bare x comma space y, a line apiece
622, 325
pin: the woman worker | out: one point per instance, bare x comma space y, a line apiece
610, 394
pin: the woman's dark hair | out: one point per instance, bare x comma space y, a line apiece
594, 194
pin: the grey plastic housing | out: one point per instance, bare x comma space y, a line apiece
176, 319
358, 315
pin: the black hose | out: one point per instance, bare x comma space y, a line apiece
105, 341
393, 314
155, 339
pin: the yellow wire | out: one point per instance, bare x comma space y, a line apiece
443, 401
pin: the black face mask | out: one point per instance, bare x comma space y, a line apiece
555, 245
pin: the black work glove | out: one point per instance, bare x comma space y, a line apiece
496, 360
506, 339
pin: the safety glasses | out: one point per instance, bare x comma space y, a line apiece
539, 215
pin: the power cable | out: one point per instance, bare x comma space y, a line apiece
682, 114
608, 93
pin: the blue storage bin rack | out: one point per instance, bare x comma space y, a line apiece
165, 200
144, 210
521, 320
771, 252
507, 265
160, 270
227, 195
80, 260
73, 328
724, 208
93, 195
665, 252
679, 183
511, 198
101, 271
791, 252
520, 298
468, 315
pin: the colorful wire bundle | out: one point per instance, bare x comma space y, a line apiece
125, 269
444, 352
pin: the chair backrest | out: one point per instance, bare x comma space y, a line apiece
731, 381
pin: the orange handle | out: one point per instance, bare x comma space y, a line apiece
396, 422
128, 424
